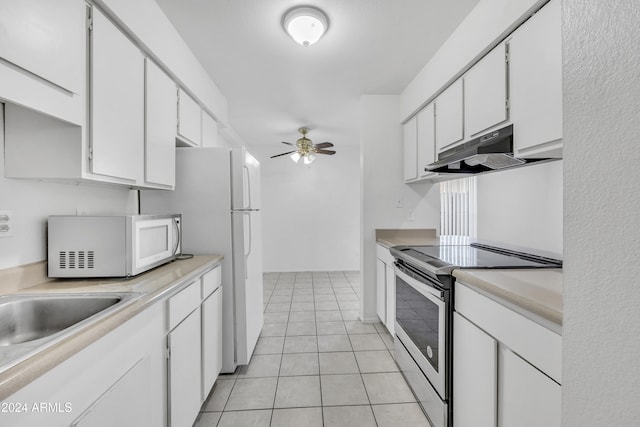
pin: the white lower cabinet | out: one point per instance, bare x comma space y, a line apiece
211, 341
526, 397
385, 288
381, 290
185, 371
194, 346
492, 384
117, 380
475, 375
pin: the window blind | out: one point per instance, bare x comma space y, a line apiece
458, 207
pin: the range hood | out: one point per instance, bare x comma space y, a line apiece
485, 153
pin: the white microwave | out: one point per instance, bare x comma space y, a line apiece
111, 246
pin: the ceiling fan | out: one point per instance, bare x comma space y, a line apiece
306, 149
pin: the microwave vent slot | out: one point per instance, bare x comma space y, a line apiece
76, 259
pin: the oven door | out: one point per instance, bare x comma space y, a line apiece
421, 317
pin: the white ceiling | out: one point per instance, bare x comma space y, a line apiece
274, 86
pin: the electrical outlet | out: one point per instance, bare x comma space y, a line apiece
399, 204
410, 216
6, 223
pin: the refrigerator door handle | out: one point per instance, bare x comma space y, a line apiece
248, 181
246, 256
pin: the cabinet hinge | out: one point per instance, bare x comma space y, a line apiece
90, 23
506, 56
507, 104
90, 153
167, 352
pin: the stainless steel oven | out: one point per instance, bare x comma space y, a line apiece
424, 313
423, 328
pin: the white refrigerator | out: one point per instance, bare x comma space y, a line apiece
217, 192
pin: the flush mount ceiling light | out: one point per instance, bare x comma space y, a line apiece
305, 24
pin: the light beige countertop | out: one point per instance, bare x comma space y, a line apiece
151, 287
410, 237
534, 293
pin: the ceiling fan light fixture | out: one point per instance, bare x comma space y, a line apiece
295, 157
309, 158
306, 25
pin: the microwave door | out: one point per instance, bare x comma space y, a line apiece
156, 240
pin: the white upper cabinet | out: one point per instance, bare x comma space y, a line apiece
209, 131
535, 75
426, 140
160, 127
189, 120
117, 102
45, 38
449, 117
42, 57
410, 135
485, 93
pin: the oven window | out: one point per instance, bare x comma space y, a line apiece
418, 316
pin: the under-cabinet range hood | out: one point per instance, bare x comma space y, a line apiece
485, 153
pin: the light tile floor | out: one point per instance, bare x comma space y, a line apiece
315, 363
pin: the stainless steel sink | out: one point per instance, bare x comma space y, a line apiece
31, 322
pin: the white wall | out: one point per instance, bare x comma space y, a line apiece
488, 23
382, 185
32, 201
601, 332
310, 213
522, 206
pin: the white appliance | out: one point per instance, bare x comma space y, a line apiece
217, 192
111, 245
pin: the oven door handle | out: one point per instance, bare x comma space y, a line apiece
419, 285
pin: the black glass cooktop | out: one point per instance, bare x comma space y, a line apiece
467, 256
440, 260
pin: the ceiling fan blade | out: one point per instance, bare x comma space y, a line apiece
324, 145
288, 143
330, 152
284, 154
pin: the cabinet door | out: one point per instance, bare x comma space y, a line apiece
391, 298
189, 119
209, 131
124, 403
160, 126
426, 139
535, 79
211, 341
449, 117
410, 136
485, 92
185, 379
45, 38
527, 397
475, 375
381, 291
117, 102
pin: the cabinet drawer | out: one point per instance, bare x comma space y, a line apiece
184, 303
211, 281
